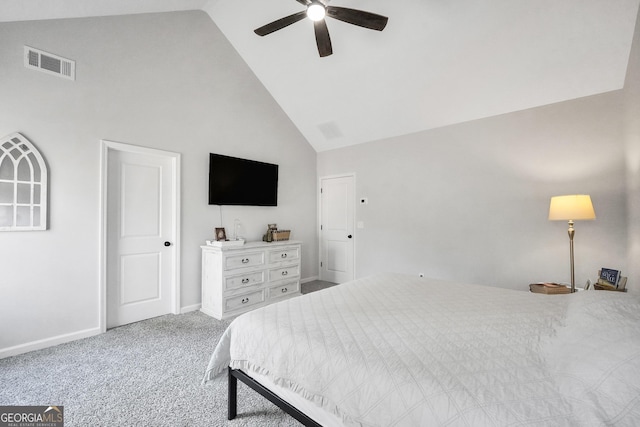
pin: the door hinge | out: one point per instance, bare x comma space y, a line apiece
320, 263
320, 226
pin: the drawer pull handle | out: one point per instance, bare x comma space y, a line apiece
245, 300
284, 290
245, 260
284, 273
283, 255
245, 280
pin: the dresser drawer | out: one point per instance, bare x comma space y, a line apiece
286, 254
244, 260
243, 280
245, 300
284, 273
283, 290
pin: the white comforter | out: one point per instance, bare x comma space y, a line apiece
392, 350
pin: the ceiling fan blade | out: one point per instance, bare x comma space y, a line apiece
322, 38
304, 2
280, 23
358, 17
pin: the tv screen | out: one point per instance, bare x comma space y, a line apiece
234, 181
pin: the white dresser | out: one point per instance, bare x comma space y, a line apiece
237, 279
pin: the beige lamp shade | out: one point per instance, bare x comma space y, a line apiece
569, 208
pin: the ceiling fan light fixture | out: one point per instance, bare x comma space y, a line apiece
316, 11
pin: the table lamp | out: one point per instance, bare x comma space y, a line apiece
571, 208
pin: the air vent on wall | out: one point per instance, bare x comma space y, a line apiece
48, 63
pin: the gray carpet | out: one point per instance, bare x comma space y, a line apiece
144, 374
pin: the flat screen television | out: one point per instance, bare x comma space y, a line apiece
235, 181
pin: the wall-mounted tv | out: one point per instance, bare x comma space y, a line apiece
235, 181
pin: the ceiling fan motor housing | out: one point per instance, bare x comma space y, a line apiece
316, 11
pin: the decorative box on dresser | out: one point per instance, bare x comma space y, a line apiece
236, 279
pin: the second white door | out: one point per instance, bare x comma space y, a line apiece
337, 213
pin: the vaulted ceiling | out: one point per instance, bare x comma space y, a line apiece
436, 63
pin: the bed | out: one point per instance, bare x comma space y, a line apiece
395, 350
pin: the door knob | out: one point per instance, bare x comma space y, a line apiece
167, 243
349, 236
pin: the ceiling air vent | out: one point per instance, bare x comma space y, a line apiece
330, 130
48, 63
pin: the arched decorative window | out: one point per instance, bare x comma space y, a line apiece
23, 185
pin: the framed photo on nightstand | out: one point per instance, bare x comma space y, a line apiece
609, 276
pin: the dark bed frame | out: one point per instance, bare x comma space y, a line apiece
232, 408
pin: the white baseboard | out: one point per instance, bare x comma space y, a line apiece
190, 308
47, 342
61, 339
309, 279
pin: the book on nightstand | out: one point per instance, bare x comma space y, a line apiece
549, 288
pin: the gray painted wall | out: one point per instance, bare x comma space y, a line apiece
632, 139
168, 81
470, 202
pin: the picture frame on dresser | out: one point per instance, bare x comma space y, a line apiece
221, 234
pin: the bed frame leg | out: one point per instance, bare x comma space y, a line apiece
236, 374
232, 403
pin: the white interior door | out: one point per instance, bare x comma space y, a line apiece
141, 234
337, 211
